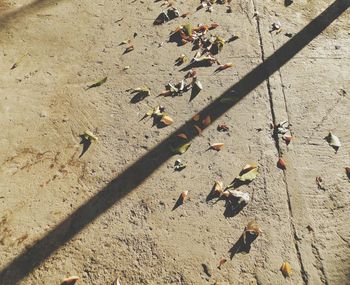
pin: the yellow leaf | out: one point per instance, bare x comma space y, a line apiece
70, 280
217, 146
286, 269
167, 120
248, 173
90, 136
181, 149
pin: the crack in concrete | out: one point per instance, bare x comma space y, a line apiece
304, 274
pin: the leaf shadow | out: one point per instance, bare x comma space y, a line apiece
242, 246
197, 64
178, 203
86, 144
233, 208
194, 92
139, 96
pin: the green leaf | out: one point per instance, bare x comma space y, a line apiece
97, 84
248, 173
188, 29
181, 149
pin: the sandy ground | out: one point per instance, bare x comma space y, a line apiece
101, 216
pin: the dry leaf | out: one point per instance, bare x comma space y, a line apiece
129, 49
70, 280
192, 73
196, 117
19, 61
252, 228
128, 41
223, 67
287, 139
281, 164
181, 149
182, 59
166, 120
198, 84
188, 29
88, 135
240, 198
286, 269
218, 187
223, 128
117, 282
333, 141
182, 136
198, 129
97, 84
183, 196
319, 182
222, 262
217, 146
248, 173
206, 121
126, 67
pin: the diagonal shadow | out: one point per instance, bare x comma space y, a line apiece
25, 9
134, 175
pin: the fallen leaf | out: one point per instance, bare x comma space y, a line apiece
90, 136
192, 73
223, 128
129, 49
196, 117
116, 282
286, 269
281, 164
182, 59
218, 187
217, 146
188, 29
222, 262
240, 198
126, 67
70, 280
97, 84
223, 67
319, 182
248, 173
19, 61
198, 129
166, 120
128, 41
166, 93
287, 139
183, 196
333, 141
181, 149
252, 228
182, 136
198, 84
206, 121
184, 15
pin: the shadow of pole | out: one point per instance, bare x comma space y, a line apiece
134, 175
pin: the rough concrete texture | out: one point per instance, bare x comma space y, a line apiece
108, 213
